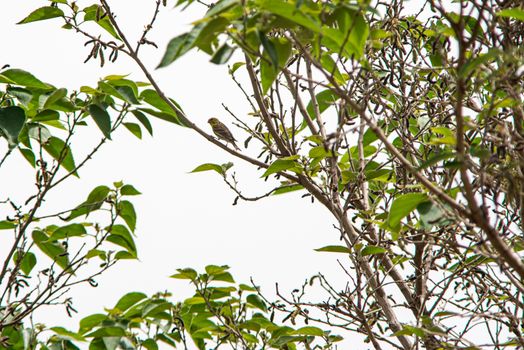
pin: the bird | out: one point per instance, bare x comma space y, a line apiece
222, 132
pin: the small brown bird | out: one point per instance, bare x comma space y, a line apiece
222, 132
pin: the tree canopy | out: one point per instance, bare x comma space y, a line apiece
404, 122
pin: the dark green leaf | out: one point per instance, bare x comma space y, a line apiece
28, 155
12, 121
176, 47
23, 95
432, 214
101, 118
256, 301
269, 49
61, 153
143, 120
223, 54
91, 321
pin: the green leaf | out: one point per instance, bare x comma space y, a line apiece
129, 190
185, 274
403, 205
334, 249
483, 58
209, 167
223, 54
215, 269
410, 330
126, 211
28, 155
54, 250
309, 330
221, 6
235, 67
320, 152
12, 120
325, 99
121, 236
256, 301
61, 153
129, 300
515, 13
225, 277
287, 188
72, 230
91, 321
152, 97
432, 215
202, 35
7, 225
269, 49
278, 55
289, 11
93, 202
23, 95
373, 250
96, 13
66, 334
150, 344
27, 263
143, 120
134, 129
176, 47
107, 332
23, 78
39, 132
283, 165
101, 118
42, 13
55, 96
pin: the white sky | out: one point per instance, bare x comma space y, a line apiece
184, 220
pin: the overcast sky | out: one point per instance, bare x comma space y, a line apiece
183, 219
